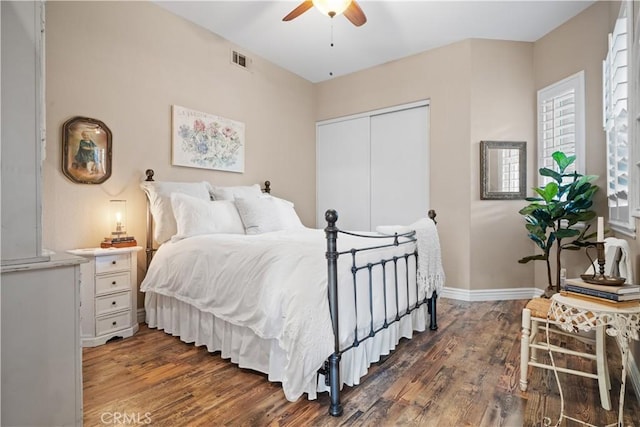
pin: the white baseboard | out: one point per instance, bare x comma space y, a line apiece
490, 294
141, 315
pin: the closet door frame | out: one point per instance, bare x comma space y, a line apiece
367, 114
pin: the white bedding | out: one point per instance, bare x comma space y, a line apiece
275, 284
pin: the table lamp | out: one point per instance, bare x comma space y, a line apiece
118, 226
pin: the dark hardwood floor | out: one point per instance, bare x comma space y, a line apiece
464, 374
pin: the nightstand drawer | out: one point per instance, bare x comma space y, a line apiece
113, 283
108, 324
110, 303
115, 262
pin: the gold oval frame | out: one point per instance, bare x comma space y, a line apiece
86, 150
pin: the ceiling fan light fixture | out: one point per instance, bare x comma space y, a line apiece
332, 7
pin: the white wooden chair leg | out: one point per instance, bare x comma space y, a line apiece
535, 330
604, 383
524, 348
605, 358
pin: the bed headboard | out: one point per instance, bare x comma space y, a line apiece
150, 250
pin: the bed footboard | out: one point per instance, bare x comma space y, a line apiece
331, 369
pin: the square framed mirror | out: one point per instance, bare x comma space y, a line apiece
503, 170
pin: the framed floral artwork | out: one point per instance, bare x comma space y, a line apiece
202, 140
86, 150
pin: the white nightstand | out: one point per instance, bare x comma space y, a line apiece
108, 294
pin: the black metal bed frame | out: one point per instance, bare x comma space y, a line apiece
331, 368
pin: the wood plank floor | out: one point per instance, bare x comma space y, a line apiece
464, 374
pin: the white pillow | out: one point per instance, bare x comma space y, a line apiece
267, 213
236, 192
287, 214
159, 194
196, 216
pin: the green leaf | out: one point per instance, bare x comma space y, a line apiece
532, 258
550, 240
538, 241
527, 210
563, 233
543, 217
590, 178
586, 216
551, 173
562, 160
548, 192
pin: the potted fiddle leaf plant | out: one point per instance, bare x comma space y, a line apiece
552, 216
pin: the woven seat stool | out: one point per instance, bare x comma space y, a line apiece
534, 320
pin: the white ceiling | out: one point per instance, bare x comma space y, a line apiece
394, 29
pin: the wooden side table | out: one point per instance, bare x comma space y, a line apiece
108, 292
575, 314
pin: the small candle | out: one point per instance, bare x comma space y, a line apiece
600, 236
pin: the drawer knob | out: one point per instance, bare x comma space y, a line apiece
113, 262
113, 283
113, 303
114, 323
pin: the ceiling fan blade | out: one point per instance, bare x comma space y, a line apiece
302, 8
355, 14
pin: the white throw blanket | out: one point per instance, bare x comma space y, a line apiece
430, 271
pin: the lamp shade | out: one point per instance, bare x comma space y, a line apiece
331, 7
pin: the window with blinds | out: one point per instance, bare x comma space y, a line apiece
561, 123
616, 123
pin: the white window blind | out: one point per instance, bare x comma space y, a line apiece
561, 123
616, 124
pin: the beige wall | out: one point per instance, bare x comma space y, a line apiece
502, 108
579, 44
478, 89
126, 63
442, 76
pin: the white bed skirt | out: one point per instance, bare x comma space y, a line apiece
246, 349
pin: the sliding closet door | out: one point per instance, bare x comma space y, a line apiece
342, 164
399, 166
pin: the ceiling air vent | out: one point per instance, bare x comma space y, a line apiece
239, 59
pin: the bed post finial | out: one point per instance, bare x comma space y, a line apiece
331, 231
149, 173
432, 214
331, 216
267, 187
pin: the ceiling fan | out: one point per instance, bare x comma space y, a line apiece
331, 8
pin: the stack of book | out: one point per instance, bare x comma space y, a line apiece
622, 295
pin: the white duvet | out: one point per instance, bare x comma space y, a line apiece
276, 285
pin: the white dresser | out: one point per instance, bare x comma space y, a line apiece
41, 354
108, 292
